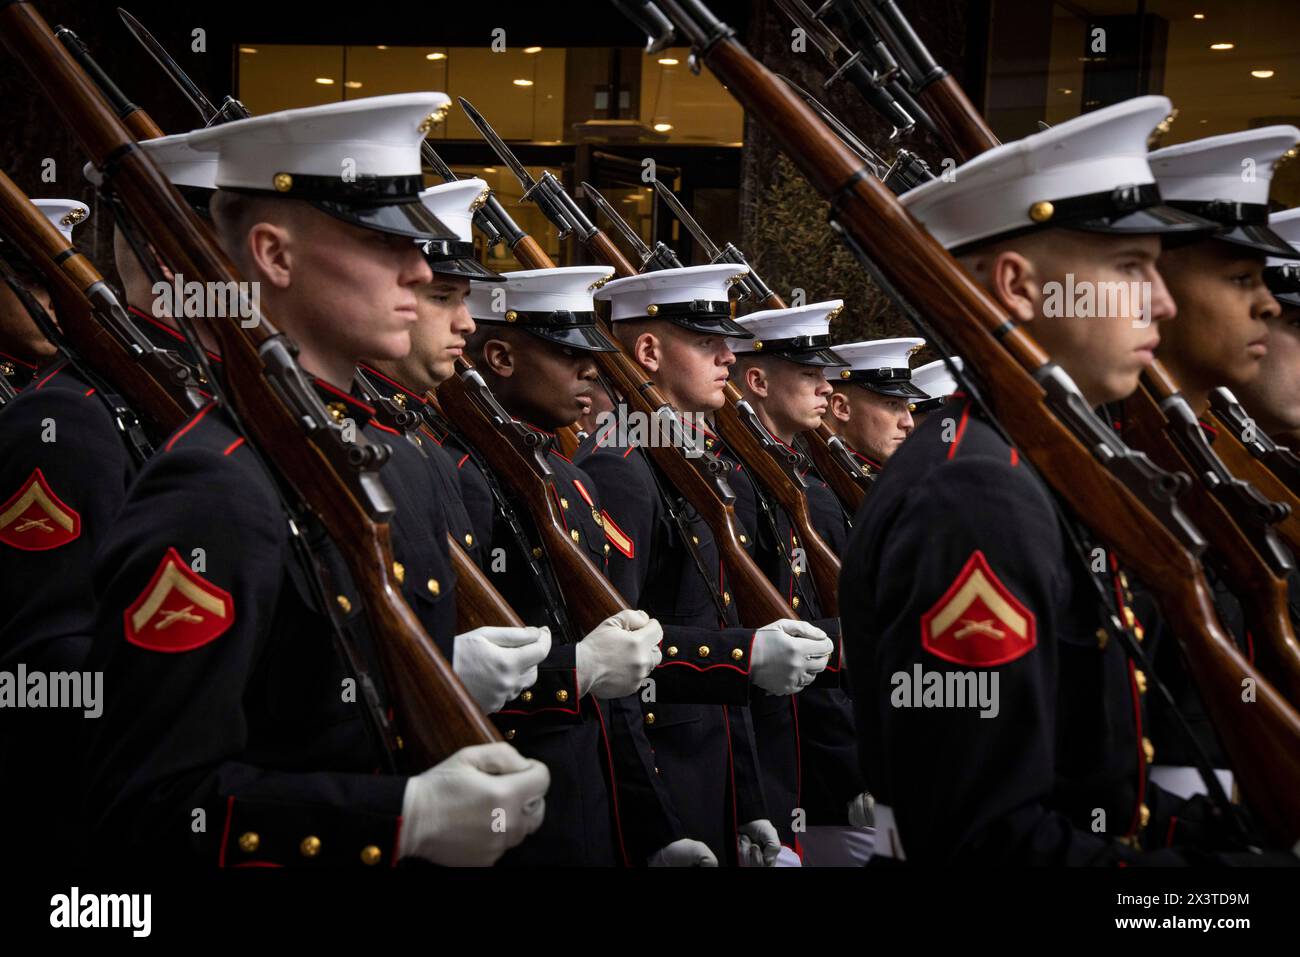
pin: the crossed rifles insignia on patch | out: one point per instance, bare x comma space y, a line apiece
34, 519
178, 610
978, 621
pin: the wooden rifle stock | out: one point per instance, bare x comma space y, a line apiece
335, 481
1261, 736
961, 124
478, 603
521, 465
1241, 462
787, 486
164, 394
1262, 591
836, 467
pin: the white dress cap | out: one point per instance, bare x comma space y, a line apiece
695, 297
1226, 179
63, 213
1282, 274
936, 380
1088, 173
358, 160
554, 304
881, 365
800, 334
454, 204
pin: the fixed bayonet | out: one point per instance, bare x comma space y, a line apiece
872, 81
231, 108
659, 257
908, 169
547, 192
751, 282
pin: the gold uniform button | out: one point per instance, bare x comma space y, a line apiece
1144, 815
510, 735
672, 651
595, 517
650, 717
344, 603
561, 696
310, 846
702, 651
652, 310
695, 539
726, 598
744, 540
399, 572
370, 855
1148, 749
1139, 632
282, 182
525, 696
607, 548
434, 588
1102, 639
1140, 679
1041, 211
1123, 580
564, 502
249, 842
794, 602
737, 654
797, 571
469, 539
1130, 619
537, 553
575, 536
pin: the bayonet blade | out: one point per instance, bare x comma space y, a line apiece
619, 222
170, 66
430, 156
843, 132
498, 145
686, 219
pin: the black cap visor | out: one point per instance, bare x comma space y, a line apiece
1258, 237
1173, 226
712, 326
807, 357
586, 338
411, 218
466, 267
897, 388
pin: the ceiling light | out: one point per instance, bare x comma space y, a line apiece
353, 84
1198, 16
1222, 46
663, 127
381, 47
435, 56
489, 169
532, 49
1064, 89
1261, 74
669, 61
248, 49
325, 80
522, 82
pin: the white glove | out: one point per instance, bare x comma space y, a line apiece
684, 853
788, 655
474, 806
496, 664
862, 810
759, 844
615, 656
